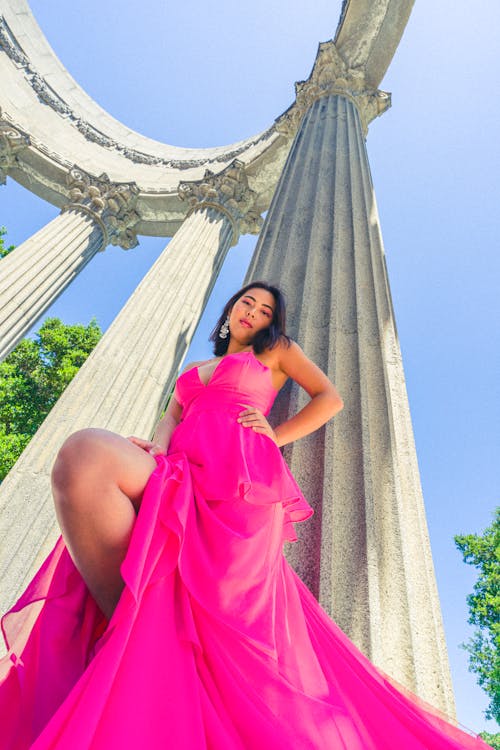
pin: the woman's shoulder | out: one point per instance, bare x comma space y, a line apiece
284, 349
290, 359
275, 357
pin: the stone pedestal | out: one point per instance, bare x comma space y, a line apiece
365, 553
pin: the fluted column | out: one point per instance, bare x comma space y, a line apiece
38, 271
365, 553
125, 382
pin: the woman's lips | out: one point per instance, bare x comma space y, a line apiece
246, 323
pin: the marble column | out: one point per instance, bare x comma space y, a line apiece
365, 553
125, 383
34, 274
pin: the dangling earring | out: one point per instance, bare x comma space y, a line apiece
224, 329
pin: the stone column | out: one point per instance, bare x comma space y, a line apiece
38, 271
125, 382
365, 553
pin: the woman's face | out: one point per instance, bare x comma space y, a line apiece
252, 312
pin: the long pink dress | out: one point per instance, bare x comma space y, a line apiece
215, 643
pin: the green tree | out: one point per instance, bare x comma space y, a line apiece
33, 377
483, 551
492, 739
3, 249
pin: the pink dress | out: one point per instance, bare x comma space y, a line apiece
215, 643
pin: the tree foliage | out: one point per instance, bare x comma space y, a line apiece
493, 740
4, 250
483, 551
33, 377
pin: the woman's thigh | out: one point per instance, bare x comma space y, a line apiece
98, 480
96, 458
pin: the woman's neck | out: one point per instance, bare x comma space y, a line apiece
237, 347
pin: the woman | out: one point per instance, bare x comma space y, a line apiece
97, 533
175, 620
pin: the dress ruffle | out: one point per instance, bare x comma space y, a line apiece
57, 629
215, 643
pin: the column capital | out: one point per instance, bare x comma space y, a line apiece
227, 192
12, 140
111, 205
331, 75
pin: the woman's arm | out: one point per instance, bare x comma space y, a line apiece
171, 418
165, 427
163, 431
325, 399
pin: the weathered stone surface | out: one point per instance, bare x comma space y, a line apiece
368, 34
365, 553
331, 75
111, 204
12, 142
65, 125
228, 192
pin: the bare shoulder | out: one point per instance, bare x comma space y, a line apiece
283, 355
290, 358
295, 364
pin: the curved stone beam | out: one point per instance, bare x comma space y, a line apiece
368, 34
65, 127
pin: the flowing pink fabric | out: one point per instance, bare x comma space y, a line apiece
215, 643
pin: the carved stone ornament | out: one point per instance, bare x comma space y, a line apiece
111, 205
228, 192
330, 75
12, 140
47, 95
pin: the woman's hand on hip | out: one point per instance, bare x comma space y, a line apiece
254, 418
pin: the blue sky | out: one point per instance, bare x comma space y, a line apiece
199, 74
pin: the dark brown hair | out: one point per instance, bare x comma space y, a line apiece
266, 338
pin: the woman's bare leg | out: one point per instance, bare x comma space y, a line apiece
97, 480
